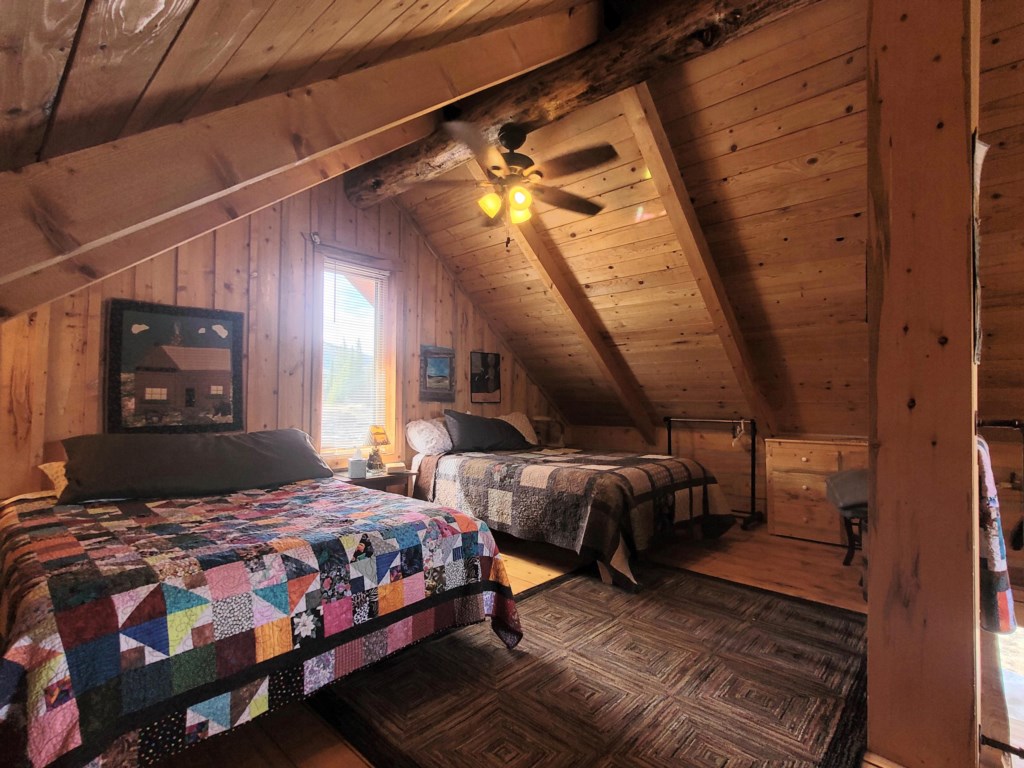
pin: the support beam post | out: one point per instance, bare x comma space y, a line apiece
923, 667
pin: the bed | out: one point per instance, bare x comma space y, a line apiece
132, 629
611, 505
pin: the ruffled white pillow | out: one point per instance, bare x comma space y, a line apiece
428, 436
520, 421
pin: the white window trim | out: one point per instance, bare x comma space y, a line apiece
339, 458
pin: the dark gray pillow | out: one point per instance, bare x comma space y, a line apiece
478, 433
159, 466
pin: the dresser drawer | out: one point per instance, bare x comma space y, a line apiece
799, 508
853, 457
803, 457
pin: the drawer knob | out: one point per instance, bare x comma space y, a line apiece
803, 459
805, 487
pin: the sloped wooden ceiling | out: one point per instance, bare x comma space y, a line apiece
76, 73
768, 133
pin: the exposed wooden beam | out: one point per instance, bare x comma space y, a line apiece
70, 205
654, 34
56, 280
566, 291
923, 667
642, 113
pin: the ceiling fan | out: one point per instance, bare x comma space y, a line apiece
515, 179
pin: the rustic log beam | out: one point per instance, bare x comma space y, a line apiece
65, 207
642, 113
923, 671
655, 33
567, 293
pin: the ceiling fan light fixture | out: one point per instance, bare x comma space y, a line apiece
519, 199
519, 215
490, 204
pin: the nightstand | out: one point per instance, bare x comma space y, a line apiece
394, 482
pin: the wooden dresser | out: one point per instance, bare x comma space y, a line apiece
797, 468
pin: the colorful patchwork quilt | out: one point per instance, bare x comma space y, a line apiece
132, 629
611, 504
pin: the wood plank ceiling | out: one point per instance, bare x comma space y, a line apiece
76, 74
768, 133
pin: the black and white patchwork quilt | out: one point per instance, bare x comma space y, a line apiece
609, 504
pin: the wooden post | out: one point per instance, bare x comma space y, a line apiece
923, 560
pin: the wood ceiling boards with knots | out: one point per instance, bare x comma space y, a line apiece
627, 262
77, 74
769, 135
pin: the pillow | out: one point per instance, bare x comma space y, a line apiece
522, 423
429, 437
54, 470
477, 433
155, 466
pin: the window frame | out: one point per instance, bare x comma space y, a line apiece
338, 459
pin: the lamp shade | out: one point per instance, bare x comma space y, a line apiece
490, 204
378, 436
518, 216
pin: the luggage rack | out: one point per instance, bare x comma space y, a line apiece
754, 517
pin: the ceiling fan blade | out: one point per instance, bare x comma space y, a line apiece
486, 154
580, 160
562, 199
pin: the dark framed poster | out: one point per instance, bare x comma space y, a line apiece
173, 369
437, 374
484, 377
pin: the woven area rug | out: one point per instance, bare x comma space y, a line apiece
692, 671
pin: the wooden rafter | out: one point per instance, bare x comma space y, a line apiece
64, 208
566, 291
643, 117
36, 288
655, 33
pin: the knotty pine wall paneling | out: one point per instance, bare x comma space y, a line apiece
51, 369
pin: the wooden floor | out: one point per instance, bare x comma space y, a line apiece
295, 737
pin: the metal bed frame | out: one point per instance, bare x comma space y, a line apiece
754, 517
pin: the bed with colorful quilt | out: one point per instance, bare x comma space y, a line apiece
610, 505
132, 629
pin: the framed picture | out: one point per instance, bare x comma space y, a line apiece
173, 369
484, 377
437, 374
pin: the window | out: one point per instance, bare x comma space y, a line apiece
217, 389
356, 366
156, 394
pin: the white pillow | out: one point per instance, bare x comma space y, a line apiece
428, 436
522, 423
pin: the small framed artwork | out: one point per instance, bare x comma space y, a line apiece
484, 377
437, 374
173, 369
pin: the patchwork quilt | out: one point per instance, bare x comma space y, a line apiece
611, 504
130, 630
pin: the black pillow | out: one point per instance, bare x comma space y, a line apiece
478, 433
159, 466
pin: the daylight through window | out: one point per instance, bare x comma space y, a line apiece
354, 355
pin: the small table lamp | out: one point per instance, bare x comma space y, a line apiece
378, 438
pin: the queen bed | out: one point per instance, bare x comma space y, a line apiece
132, 629
610, 505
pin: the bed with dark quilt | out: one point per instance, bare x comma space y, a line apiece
133, 629
609, 504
